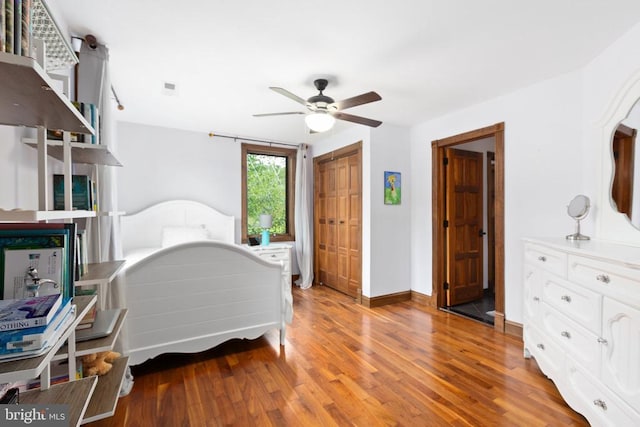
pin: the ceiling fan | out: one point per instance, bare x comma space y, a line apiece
323, 110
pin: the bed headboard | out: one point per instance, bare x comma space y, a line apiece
175, 220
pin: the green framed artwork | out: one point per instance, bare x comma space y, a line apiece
392, 188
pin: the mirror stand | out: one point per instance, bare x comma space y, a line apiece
577, 235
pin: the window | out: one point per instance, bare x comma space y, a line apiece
268, 175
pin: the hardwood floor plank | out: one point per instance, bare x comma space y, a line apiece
344, 364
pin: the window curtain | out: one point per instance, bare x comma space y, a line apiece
304, 215
94, 86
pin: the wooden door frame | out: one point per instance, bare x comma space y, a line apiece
439, 258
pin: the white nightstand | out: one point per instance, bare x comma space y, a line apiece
276, 252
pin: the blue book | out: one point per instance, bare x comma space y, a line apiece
28, 312
37, 338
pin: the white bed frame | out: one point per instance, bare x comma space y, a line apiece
195, 295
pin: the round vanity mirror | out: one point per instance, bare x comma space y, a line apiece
625, 188
578, 209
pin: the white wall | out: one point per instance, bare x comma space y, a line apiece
163, 164
386, 230
543, 134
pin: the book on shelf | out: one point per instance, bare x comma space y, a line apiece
90, 317
25, 42
28, 312
59, 374
3, 25
32, 271
8, 17
81, 192
23, 340
17, 236
17, 27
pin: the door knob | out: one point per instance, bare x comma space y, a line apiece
481, 233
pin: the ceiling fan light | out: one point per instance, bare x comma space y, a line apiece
319, 121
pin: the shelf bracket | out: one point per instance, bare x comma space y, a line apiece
43, 188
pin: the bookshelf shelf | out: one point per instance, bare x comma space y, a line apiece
33, 100
32, 216
105, 397
73, 393
81, 152
97, 345
100, 273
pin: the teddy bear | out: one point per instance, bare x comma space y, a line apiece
98, 363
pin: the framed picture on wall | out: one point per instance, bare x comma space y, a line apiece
392, 188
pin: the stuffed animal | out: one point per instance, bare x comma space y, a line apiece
98, 363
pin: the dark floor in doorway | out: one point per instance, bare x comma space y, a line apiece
477, 309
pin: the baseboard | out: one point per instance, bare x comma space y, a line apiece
423, 299
385, 299
513, 328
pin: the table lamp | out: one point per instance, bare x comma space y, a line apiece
265, 223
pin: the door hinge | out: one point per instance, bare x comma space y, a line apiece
445, 223
445, 286
445, 161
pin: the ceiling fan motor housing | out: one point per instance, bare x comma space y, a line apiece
320, 101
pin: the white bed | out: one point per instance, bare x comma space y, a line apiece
190, 287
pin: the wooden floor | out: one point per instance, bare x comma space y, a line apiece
343, 364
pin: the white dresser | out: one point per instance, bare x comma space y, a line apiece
582, 324
276, 252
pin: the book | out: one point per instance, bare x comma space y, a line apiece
23, 340
25, 42
32, 271
80, 192
41, 235
55, 337
8, 19
17, 26
28, 312
3, 25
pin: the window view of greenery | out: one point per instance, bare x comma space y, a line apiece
266, 192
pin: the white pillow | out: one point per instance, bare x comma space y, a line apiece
172, 236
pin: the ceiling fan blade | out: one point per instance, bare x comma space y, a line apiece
289, 95
356, 119
278, 114
365, 98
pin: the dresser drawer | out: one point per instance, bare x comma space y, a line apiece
576, 302
601, 407
580, 344
546, 258
548, 354
616, 280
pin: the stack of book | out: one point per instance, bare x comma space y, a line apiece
29, 326
15, 27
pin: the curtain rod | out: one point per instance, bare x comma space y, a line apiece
236, 138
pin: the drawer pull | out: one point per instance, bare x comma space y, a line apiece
603, 341
566, 298
566, 334
274, 256
542, 258
536, 299
600, 403
603, 278
540, 346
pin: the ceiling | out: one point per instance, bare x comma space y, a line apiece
425, 58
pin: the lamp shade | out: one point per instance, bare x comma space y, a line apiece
319, 121
265, 221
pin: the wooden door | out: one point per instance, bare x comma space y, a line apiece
325, 232
337, 222
491, 221
464, 233
623, 153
